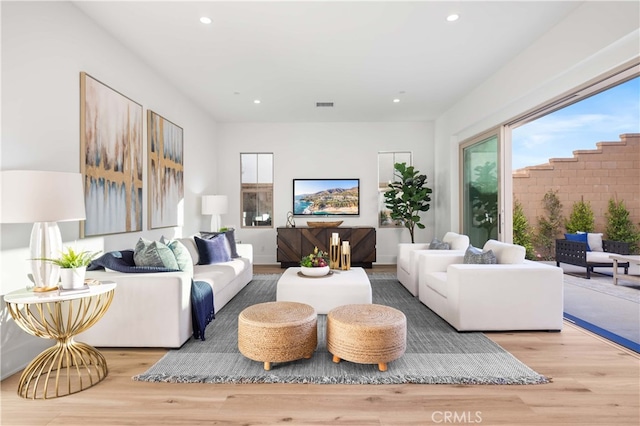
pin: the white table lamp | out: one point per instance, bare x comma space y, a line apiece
42, 198
215, 205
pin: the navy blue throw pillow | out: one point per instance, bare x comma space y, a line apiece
582, 238
214, 250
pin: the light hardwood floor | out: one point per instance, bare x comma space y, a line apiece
594, 382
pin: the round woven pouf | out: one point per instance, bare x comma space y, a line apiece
277, 332
366, 334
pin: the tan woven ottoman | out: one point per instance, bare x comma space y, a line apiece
277, 332
366, 334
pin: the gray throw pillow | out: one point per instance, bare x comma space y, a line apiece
475, 256
154, 253
181, 253
436, 244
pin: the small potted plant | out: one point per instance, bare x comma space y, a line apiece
315, 264
73, 266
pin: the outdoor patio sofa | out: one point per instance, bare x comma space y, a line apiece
579, 253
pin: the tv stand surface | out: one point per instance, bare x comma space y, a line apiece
295, 243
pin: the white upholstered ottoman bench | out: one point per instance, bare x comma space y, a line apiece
325, 293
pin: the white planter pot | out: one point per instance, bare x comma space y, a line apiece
72, 278
314, 272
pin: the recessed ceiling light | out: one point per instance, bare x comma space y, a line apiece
256, 101
396, 100
205, 20
453, 17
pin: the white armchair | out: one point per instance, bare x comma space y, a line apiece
514, 294
408, 253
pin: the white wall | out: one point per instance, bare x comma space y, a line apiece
45, 46
595, 38
323, 150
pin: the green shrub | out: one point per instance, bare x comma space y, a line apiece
549, 227
620, 227
581, 218
521, 231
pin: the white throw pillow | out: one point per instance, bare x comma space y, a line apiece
595, 241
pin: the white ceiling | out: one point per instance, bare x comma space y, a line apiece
359, 55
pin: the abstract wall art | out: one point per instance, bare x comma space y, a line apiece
166, 172
111, 159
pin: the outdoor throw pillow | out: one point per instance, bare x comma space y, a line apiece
231, 238
213, 250
476, 256
154, 253
594, 241
582, 238
436, 244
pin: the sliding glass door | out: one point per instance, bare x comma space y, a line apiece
480, 189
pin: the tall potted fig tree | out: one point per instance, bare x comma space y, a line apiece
407, 197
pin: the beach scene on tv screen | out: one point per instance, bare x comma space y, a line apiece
325, 197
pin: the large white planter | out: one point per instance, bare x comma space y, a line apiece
72, 278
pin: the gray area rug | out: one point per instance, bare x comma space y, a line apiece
436, 353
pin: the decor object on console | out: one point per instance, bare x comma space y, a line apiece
215, 205
291, 222
166, 171
42, 198
408, 197
110, 134
514, 294
332, 224
408, 256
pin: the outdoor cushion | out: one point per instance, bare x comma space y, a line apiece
594, 241
581, 238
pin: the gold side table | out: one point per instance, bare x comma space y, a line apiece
68, 366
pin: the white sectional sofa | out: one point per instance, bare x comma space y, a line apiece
514, 294
154, 309
408, 253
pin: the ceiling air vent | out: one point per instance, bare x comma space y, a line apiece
324, 104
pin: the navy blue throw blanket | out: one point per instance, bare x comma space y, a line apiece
201, 293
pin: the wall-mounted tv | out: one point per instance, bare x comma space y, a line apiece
326, 197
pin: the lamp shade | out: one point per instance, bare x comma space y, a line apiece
214, 204
30, 196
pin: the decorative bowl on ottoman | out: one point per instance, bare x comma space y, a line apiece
317, 271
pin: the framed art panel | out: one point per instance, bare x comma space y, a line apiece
111, 159
166, 172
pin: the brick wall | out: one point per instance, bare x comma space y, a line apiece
613, 169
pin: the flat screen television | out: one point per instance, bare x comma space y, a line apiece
326, 197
